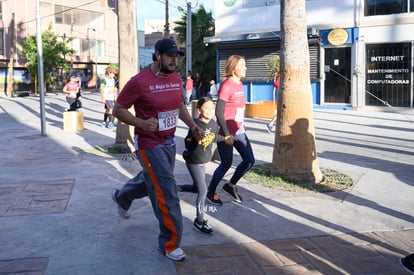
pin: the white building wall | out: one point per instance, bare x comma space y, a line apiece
240, 18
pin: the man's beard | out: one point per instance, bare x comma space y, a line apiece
166, 70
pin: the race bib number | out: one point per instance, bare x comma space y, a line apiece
239, 115
167, 120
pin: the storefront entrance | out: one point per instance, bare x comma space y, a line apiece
388, 75
338, 75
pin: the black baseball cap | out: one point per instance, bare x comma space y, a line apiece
167, 45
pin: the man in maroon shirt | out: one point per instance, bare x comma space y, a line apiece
156, 96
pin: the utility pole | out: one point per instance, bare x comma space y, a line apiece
167, 19
40, 70
10, 78
96, 59
188, 42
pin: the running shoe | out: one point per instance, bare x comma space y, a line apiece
233, 193
110, 125
214, 199
121, 211
176, 255
407, 263
203, 227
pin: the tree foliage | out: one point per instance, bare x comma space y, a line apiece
55, 51
203, 56
274, 66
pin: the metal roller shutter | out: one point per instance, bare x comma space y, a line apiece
258, 54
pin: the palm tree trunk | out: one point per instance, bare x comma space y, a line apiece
294, 153
128, 64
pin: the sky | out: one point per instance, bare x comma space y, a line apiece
155, 9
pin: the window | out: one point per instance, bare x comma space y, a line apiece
382, 7
85, 46
1, 42
78, 17
46, 11
58, 14
91, 47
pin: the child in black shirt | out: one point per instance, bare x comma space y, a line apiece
197, 154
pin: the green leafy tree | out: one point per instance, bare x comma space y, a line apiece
203, 56
274, 66
55, 51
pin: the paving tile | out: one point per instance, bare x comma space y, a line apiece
24, 266
261, 254
4, 208
330, 246
406, 235
192, 263
29, 154
394, 240
354, 238
291, 258
225, 250
290, 244
292, 270
32, 198
216, 265
366, 254
372, 265
242, 265
360, 251
393, 254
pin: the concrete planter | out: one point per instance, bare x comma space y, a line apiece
261, 109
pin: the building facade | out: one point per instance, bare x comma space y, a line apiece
91, 24
361, 52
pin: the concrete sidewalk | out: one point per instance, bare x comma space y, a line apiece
57, 217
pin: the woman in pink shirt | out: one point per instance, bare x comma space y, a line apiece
72, 89
230, 109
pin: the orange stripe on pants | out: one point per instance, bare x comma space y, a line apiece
162, 205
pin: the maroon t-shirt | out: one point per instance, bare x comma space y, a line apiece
153, 96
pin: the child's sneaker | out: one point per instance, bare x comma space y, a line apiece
214, 199
269, 128
203, 227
